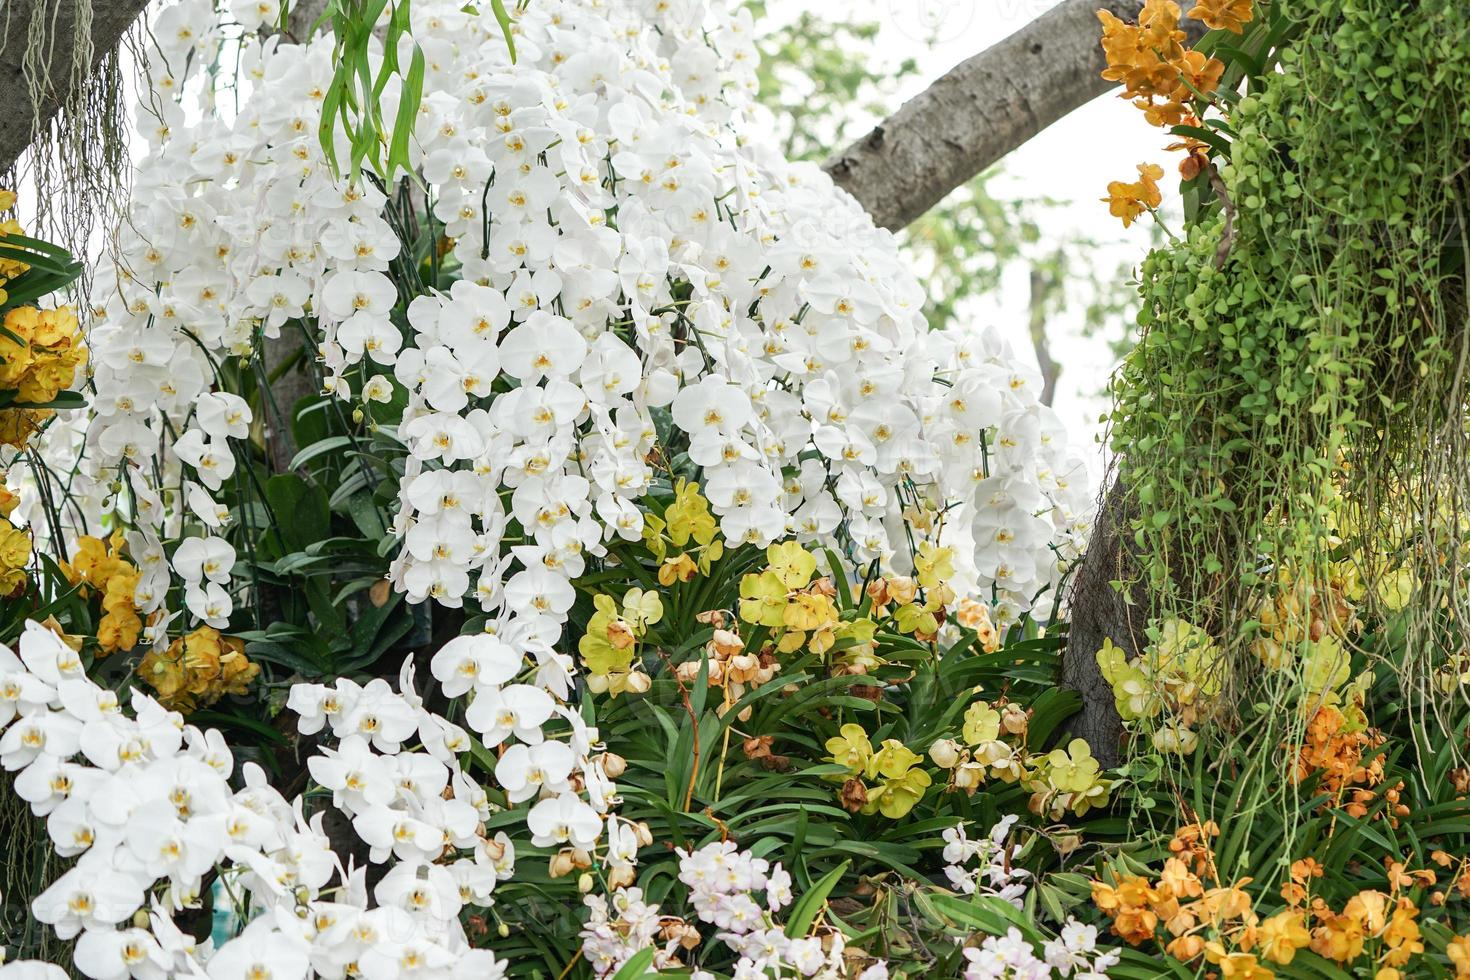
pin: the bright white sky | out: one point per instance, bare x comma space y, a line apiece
1072, 161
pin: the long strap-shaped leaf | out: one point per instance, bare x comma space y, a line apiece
804, 912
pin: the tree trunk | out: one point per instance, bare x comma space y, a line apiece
1099, 612
1042, 284
20, 119
289, 387
301, 15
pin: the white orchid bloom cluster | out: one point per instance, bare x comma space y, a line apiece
627, 244
1074, 953
742, 896
739, 894
993, 873
512, 714
621, 925
146, 806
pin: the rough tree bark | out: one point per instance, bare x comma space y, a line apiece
301, 15
982, 109
20, 120
1098, 612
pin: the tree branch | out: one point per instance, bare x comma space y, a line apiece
981, 110
301, 15
20, 120
1042, 285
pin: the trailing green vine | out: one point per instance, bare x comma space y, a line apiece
1292, 425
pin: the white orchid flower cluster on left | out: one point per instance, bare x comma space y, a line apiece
145, 805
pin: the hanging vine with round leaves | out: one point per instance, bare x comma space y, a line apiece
1292, 425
